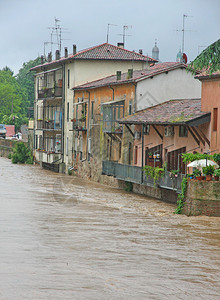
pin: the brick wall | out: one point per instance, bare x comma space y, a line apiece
202, 198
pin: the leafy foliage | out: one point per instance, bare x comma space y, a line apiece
25, 78
209, 59
16, 120
209, 170
181, 197
189, 157
22, 154
217, 172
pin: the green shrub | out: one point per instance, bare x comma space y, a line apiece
197, 173
217, 172
209, 170
21, 154
128, 186
9, 156
181, 197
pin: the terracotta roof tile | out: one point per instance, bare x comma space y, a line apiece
102, 52
137, 75
173, 112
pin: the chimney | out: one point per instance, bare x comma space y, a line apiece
42, 59
120, 45
74, 49
130, 73
49, 58
66, 51
118, 74
57, 54
140, 51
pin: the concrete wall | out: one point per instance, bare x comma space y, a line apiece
202, 198
176, 84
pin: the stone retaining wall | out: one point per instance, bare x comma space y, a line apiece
202, 198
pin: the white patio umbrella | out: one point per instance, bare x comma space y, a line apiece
202, 163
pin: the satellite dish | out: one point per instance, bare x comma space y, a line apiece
184, 58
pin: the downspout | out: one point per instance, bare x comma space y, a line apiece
63, 114
88, 120
113, 93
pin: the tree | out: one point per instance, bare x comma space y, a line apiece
208, 60
12, 96
26, 80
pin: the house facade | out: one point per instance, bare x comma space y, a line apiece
107, 101
54, 107
211, 103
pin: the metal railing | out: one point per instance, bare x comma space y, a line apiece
50, 92
79, 125
136, 175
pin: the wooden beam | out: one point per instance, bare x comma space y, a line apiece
193, 135
203, 135
129, 129
198, 135
157, 131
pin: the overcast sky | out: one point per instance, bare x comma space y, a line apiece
24, 26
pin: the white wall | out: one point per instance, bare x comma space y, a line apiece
83, 71
177, 84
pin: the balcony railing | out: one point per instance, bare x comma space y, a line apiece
49, 124
50, 92
79, 125
136, 175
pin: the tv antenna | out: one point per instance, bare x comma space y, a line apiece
125, 27
183, 30
56, 31
108, 30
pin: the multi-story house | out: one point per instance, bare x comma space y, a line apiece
211, 102
54, 105
106, 101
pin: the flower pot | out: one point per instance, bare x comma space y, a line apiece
208, 177
199, 177
216, 178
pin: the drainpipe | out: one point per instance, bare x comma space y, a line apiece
63, 114
113, 93
88, 120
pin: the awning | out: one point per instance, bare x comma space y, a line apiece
112, 102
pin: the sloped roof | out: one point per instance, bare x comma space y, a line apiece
173, 112
102, 52
205, 75
137, 75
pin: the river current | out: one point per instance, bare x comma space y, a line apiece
62, 237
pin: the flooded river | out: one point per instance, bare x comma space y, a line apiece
65, 238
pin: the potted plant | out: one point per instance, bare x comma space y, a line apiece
150, 155
216, 158
208, 171
197, 174
217, 174
174, 174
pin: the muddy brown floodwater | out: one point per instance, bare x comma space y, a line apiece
65, 238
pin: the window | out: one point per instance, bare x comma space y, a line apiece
92, 111
36, 141
135, 154
183, 131
215, 119
67, 146
129, 153
68, 111
68, 79
130, 107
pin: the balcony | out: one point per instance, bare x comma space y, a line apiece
45, 92
79, 125
113, 111
135, 174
